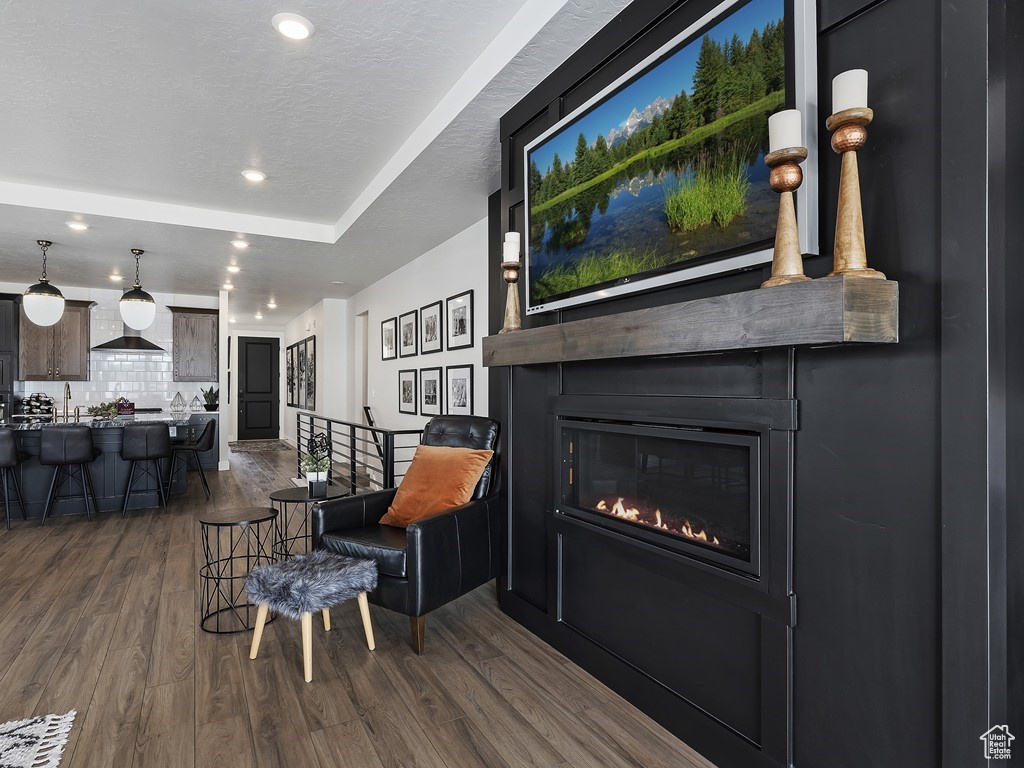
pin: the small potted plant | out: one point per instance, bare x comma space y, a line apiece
316, 468
212, 398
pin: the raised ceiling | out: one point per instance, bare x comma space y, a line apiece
378, 135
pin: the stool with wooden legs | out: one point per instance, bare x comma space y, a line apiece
306, 585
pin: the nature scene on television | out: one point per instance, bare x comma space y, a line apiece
666, 172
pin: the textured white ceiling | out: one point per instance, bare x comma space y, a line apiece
158, 101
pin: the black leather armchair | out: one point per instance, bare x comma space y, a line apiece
434, 560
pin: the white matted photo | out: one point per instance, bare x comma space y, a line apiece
407, 392
459, 320
389, 339
459, 389
407, 334
431, 396
431, 328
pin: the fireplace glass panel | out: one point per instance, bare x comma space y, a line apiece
691, 487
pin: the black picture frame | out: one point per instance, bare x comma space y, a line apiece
389, 343
300, 374
290, 375
407, 391
431, 392
458, 317
432, 328
310, 393
459, 397
408, 333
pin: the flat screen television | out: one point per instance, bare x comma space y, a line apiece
660, 177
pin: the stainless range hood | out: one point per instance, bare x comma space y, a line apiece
131, 341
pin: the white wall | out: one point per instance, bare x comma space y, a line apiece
457, 265
327, 321
147, 379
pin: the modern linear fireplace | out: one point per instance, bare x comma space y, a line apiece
690, 489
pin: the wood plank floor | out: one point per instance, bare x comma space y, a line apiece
102, 617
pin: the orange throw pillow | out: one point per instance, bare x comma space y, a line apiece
438, 478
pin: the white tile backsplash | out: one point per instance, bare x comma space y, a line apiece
145, 378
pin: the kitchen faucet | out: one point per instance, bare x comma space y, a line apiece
67, 399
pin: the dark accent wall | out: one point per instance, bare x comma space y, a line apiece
909, 604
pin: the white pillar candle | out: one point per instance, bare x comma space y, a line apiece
784, 130
512, 237
850, 90
510, 252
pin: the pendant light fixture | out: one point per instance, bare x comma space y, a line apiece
138, 310
43, 303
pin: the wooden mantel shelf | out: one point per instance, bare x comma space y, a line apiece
832, 310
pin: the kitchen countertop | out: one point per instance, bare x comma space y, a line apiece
117, 423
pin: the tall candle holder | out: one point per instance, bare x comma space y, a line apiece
513, 321
785, 178
849, 132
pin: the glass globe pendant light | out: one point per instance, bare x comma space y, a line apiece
43, 303
138, 310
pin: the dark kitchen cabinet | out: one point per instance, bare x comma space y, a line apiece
8, 325
59, 352
194, 347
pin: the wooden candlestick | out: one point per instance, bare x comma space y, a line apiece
513, 321
849, 132
785, 178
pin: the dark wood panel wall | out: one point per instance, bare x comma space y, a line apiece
908, 603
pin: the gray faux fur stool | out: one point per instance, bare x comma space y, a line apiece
308, 583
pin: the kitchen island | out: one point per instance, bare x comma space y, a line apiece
109, 472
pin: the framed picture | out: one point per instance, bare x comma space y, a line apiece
431, 328
310, 393
459, 320
459, 389
389, 339
289, 375
407, 392
431, 399
300, 375
684, 132
407, 333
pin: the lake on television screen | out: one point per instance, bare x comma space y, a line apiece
667, 170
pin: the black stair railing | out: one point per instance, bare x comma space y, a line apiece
364, 458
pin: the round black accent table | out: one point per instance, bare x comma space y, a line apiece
292, 526
234, 542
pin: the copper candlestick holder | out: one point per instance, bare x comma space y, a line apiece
849, 132
513, 321
785, 178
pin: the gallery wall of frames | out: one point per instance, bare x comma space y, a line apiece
300, 374
442, 325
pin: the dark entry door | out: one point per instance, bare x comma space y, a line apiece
258, 388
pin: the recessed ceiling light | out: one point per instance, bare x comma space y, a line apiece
258, 315
233, 268
292, 26
271, 305
251, 174
241, 244
117, 278
227, 286
231, 320
337, 282
78, 226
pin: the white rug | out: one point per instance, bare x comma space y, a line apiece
35, 743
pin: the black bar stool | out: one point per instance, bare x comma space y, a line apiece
148, 444
10, 458
66, 448
191, 449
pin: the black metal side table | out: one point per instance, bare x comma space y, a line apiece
234, 542
293, 528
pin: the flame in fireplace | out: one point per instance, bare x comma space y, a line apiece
619, 509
